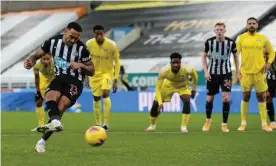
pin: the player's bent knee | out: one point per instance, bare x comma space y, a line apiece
154, 109
261, 96
225, 97
246, 96
39, 103
210, 99
268, 98
52, 95
185, 98
97, 98
105, 93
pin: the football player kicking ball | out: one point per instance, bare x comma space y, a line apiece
174, 78
44, 74
72, 62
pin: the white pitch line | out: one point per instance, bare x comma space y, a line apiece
134, 132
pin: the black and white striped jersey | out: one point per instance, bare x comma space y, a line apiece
271, 74
63, 54
219, 54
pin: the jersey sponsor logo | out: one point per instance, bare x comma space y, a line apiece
61, 63
216, 55
102, 57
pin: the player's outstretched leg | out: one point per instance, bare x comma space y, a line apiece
185, 113
270, 111
40, 145
225, 111
153, 117
209, 108
244, 110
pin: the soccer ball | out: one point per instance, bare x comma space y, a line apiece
95, 136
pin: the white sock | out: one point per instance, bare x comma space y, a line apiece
264, 124
41, 141
223, 124
99, 124
273, 123
243, 123
208, 119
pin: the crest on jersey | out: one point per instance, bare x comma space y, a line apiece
105, 50
259, 40
182, 78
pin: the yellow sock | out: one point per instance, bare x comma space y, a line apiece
40, 115
263, 114
185, 119
107, 107
97, 112
244, 111
153, 120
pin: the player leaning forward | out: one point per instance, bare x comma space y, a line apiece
72, 62
253, 70
174, 78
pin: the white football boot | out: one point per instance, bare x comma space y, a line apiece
184, 129
40, 147
150, 128
54, 125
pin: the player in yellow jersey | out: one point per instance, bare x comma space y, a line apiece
253, 70
174, 78
44, 74
104, 54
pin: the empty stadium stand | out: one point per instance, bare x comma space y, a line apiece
185, 28
270, 32
164, 30
25, 31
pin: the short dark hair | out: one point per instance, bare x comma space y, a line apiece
75, 26
252, 18
175, 55
98, 27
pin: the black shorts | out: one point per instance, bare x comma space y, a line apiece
271, 87
219, 81
67, 86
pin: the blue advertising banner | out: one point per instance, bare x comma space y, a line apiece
129, 102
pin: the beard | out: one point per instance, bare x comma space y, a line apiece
252, 30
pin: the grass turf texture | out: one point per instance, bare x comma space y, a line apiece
127, 144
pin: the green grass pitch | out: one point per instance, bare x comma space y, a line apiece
128, 145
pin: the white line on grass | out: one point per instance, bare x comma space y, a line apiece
131, 132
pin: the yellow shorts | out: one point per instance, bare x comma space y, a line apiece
168, 90
100, 83
256, 81
43, 84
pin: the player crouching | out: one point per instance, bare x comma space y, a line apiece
174, 78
